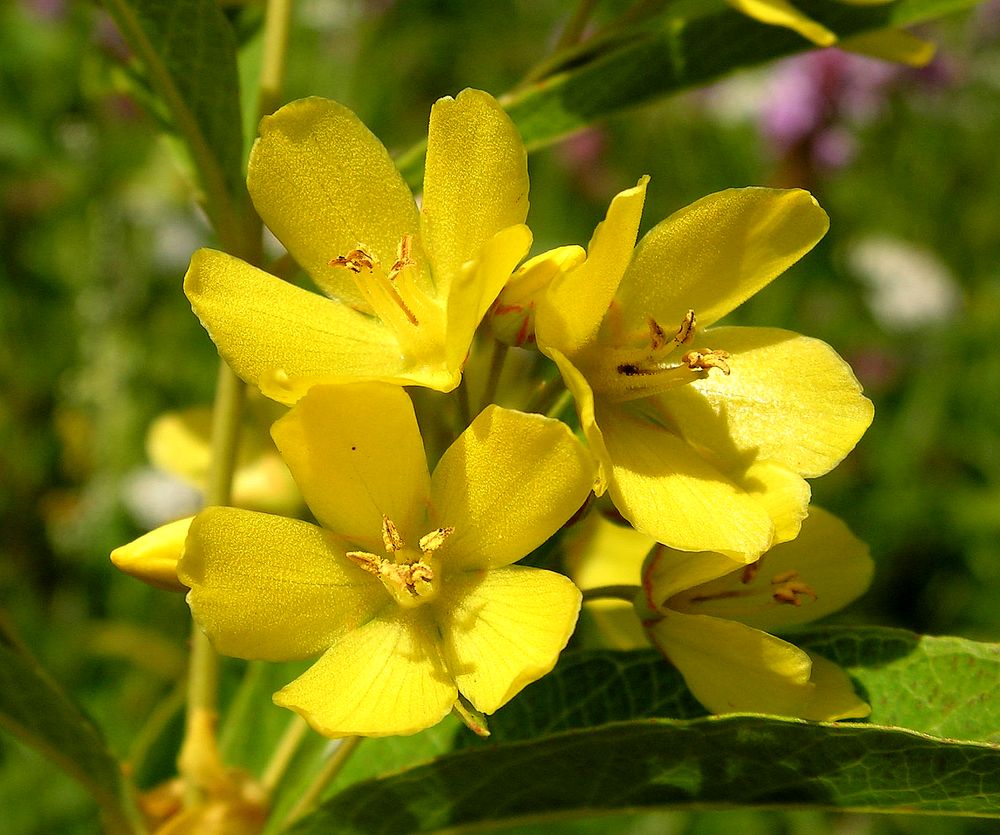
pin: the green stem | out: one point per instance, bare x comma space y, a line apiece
622, 592
545, 395
312, 795
284, 751
574, 29
497, 359
560, 405
272, 71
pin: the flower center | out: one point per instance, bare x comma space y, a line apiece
396, 296
629, 373
411, 578
785, 588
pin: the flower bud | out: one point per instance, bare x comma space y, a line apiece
153, 557
512, 316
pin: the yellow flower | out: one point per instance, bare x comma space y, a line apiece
887, 44
407, 288
703, 437
153, 557
709, 616
408, 589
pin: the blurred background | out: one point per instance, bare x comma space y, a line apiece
97, 226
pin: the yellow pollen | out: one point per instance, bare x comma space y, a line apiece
380, 287
788, 588
706, 359
403, 258
409, 577
390, 536
429, 543
355, 260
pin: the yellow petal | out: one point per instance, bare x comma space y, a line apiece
713, 255
781, 13
602, 553
153, 557
270, 588
826, 557
475, 181
356, 453
508, 483
512, 318
583, 397
833, 697
384, 679
325, 186
571, 312
477, 286
284, 340
670, 575
789, 399
895, 45
667, 490
504, 629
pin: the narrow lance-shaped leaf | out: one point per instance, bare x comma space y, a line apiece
680, 47
37, 711
188, 52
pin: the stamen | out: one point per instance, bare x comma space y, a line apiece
430, 542
355, 260
685, 333
403, 258
390, 536
704, 360
788, 588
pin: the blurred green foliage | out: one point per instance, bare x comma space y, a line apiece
97, 224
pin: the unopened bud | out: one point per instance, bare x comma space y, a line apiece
512, 316
153, 557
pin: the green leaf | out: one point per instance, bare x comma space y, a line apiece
592, 738
188, 52
683, 46
36, 710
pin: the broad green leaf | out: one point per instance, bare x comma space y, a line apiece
682, 46
187, 50
590, 738
37, 711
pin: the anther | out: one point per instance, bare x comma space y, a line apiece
704, 360
788, 588
355, 261
390, 536
430, 542
403, 258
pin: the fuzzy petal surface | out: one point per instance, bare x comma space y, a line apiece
325, 186
667, 490
504, 629
731, 668
782, 13
790, 399
284, 340
713, 255
508, 483
570, 314
475, 181
385, 678
270, 588
356, 453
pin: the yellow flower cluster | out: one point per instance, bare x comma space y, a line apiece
702, 436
